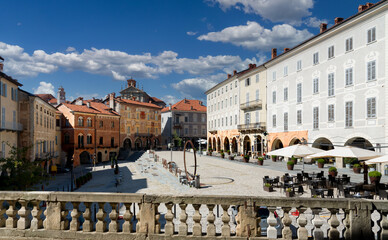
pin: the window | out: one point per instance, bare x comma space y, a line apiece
315, 85
89, 139
299, 65
101, 140
101, 124
222, 104
4, 92
299, 117
235, 99
285, 70
226, 88
226, 103
274, 97
222, 90
330, 52
235, 84
128, 130
273, 76
285, 94
274, 121
80, 141
371, 70
230, 101
257, 94
235, 119
349, 114
80, 121
315, 117
349, 44
316, 58
299, 92
257, 116
330, 113
247, 118
89, 122
3, 117
226, 121
231, 120
231, 86
371, 107
112, 124
285, 121
247, 82
330, 78
112, 142
371, 35
257, 78
222, 122
349, 76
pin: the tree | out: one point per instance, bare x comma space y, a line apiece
177, 140
17, 172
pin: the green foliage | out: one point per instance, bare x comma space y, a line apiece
332, 169
356, 165
293, 158
290, 163
288, 189
260, 159
374, 174
350, 160
321, 160
267, 185
177, 140
246, 157
23, 173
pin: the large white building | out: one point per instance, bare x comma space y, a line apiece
332, 89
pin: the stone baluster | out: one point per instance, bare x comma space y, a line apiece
318, 222
347, 225
225, 229
272, 233
75, 213
238, 222
87, 226
334, 223
157, 217
286, 232
211, 228
127, 225
197, 228
138, 217
258, 221
302, 222
384, 226
11, 213
24, 221
36, 212
64, 213
113, 218
169, 227
2, 212
101, 215
183, 218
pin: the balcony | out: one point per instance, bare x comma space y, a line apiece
143, 134
236, 218
11, 126
177, 125
255, 104
251, 127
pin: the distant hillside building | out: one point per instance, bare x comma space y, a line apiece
186, 118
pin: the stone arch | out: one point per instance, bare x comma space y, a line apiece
276, 144
234, 145
259, 145
84, 157
214, 144
323, 143
127, 144
226, 144
295, 141
210, 142
247, 144
138, 144
218, 144
360, 142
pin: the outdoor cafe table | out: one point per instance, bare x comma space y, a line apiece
321, 191
350, 188
340, 179
292, 185
358, 195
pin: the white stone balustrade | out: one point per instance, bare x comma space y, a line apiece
88, 216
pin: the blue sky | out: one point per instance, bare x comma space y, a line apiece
173, 48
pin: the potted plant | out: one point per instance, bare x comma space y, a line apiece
349, 162
333, 171
273, 158
357, 168
374, 177
260, 161
210, 151
321, 163
268, 187
222, 154
290, 165
294, 159
289, 192
246, 158
231, 157
228, 152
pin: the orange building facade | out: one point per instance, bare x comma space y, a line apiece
284, 139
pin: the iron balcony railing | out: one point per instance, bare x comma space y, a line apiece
251, 105
251, 126
11, 126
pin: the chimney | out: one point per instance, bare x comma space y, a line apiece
229, 75
88, 104
273, 53
338, 20
286, 49
368, 5
361, 8
111, 100
234, 72
1, 64
252, 65
79, 101
323, 27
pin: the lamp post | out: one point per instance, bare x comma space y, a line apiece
304, 142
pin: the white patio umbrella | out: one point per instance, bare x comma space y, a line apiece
348, 152
382, 159
297, 150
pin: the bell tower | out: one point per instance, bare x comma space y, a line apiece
61, 97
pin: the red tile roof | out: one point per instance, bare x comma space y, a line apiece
187, 105
156, 99
104, 109
80, 108
95, 107
138, 103
47, 98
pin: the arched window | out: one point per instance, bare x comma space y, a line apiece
81, 121
89, 122
80, 141
112, 142
89, 139
67, 138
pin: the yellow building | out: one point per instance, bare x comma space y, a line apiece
9, 112
39, 133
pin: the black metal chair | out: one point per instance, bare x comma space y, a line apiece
330, 193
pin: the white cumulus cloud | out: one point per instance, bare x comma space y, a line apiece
273, 10
256, 37
44, 88
170, 99
314, 22
190, 33
70, 49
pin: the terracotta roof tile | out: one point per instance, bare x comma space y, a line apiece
138, 103
80, 108
156, 99
104, 109
47, 97
187, 105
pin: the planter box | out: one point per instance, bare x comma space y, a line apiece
321, 165
374, 180
222, 156
333, 174
268, 189
274, 159
260, 163
290, 167
246, 160
357, 170
231, 157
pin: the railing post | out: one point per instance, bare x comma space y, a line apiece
197, 228
384, 226
147, 217
347, 224
113, 218
360, 221
11, 213
127, 225
169, 227
302, 221
24, 221
248, 220
36, 222
87, 226
318, 222
2, 211
286, 232
183, 218
53, 216
74, 224
334, 223
225, 229
272, 232
211, 228
101, 214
